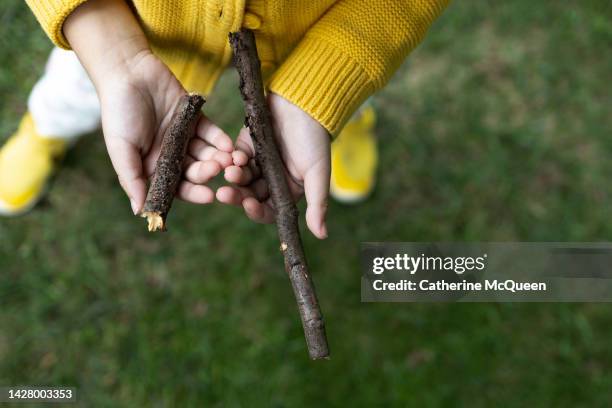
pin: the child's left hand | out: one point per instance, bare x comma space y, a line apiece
305, 149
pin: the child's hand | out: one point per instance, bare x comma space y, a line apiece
305, 150
138, 94
137, 105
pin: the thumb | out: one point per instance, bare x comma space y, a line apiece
316, 190
127, 162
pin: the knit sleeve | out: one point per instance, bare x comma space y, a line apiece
351, 52
51, 15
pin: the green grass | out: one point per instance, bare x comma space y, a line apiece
497, 128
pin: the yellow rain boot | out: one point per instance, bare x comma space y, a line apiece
354, 159
27, 161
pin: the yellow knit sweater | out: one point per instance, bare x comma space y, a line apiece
325, 56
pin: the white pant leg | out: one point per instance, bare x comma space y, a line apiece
64, 103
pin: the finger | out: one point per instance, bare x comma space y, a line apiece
213, 134
241, 176
230, 195
243, 148
201, 172
195, 193
240, 158
127, 163
257, 211
234, 195
316, 190
200, 150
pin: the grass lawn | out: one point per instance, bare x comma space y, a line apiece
497, 128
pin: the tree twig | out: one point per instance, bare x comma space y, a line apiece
169, 165
269, 160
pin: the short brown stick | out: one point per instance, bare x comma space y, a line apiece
169, 165
269, 160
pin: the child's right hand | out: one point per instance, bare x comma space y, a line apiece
138, 94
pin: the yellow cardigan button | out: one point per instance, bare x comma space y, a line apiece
251, 21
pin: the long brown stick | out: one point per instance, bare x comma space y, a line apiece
269, 160
169, 165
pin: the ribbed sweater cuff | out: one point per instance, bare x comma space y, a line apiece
51, 15
323, 81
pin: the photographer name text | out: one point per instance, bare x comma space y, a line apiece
508, 285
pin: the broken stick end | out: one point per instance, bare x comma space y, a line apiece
318, 351
155, 221
316, 339
196, 99
320, 357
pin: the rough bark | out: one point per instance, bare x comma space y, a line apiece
269, 161
169, 165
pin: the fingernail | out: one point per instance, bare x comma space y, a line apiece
323, 231
134, 206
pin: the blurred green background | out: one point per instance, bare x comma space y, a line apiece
498, 127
